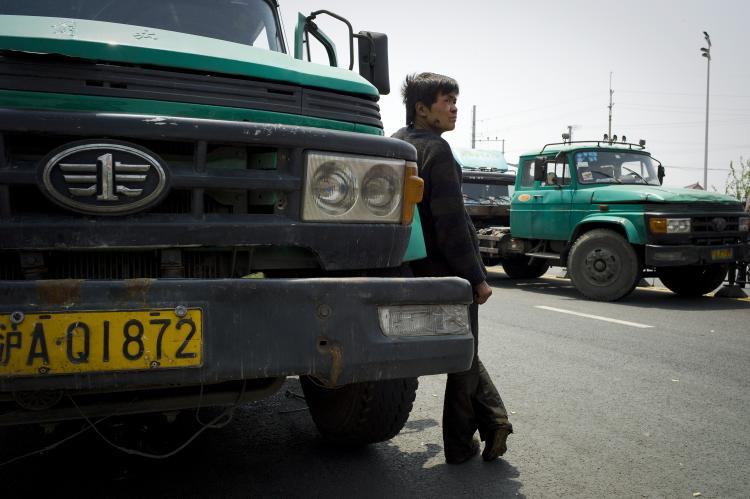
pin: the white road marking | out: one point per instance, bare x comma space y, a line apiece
596, 317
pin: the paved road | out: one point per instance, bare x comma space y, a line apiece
655, 405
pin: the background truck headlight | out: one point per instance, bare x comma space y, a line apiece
669, 225
349, 188
744, 224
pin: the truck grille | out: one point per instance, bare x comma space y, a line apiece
37, 73
716, 223
152, 264
230, 205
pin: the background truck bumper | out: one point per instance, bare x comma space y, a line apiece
678, 255
260, 328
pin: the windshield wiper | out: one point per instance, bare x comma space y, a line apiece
636, 174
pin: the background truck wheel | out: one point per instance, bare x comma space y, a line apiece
360, 413
490, 261
692, 281
603, 265
524, 267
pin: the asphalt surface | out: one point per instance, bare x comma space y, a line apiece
655, 405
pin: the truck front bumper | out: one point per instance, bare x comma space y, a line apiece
679, 255
251, 329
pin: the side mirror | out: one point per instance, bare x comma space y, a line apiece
660, 173
540, 169
373, 59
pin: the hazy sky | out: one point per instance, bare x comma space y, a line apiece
533, 68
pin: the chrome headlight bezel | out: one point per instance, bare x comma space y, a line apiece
353, 189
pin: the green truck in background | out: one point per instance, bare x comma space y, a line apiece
599, 208
189, 215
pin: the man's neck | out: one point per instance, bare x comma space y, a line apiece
422, 125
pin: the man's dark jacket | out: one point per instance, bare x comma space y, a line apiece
449, 234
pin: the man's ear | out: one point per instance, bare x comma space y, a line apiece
421, 109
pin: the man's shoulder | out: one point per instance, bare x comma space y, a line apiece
428, 141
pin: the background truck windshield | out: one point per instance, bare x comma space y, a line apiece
486, 193
250, 22
614, 167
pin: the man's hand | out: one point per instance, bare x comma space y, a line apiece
482, 292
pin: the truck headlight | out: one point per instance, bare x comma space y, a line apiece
669, 225
349, 188
744, 224
424, 320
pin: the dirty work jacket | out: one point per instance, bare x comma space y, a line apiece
450, 237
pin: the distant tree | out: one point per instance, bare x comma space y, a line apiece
738, 180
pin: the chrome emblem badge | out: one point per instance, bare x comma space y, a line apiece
103, 177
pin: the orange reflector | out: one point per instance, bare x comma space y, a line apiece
657, 225
413, 192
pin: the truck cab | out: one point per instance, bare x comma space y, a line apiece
599, 208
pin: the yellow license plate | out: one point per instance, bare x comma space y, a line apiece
83, 342
721, 254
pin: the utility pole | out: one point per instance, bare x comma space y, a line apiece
473, 126
570, 133
706, 52
611, 92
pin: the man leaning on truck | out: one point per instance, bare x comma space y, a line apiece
471, 400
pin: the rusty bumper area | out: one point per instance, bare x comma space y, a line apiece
251, 329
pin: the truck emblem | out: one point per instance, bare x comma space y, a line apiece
103, 178
719, 224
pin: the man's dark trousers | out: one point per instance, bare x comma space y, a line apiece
471, 402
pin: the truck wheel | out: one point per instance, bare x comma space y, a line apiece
603, 265
360, 413
523, 267
490, 261
692, 281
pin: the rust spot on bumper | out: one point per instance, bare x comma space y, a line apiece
59, 292
136, 290
336, 353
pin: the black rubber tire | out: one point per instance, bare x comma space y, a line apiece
603, 265
523, 267
692, 281
490, 261
360, 413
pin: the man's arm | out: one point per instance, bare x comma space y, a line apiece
454, 236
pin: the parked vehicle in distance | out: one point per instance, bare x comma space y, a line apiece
599, 208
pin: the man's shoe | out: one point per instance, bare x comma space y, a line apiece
464, 457
495, 445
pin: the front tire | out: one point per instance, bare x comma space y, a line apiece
524, 267
692, 281
360, 413
603, 265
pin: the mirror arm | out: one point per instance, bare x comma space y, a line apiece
313, 15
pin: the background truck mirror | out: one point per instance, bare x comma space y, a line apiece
373, 59
660, 173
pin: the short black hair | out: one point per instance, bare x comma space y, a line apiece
424, 88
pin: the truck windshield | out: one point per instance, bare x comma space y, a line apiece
250, 22
486, 193
615, 167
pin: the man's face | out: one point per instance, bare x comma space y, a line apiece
441, 116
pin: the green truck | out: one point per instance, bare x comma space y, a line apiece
189, 215
599, 208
